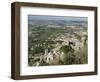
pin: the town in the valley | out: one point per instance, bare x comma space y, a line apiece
57, 42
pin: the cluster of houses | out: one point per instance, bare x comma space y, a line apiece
54, 56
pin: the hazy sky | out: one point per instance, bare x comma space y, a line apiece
45, 17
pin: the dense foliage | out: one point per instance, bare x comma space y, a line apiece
42, 37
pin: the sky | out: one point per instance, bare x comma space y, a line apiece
45, 17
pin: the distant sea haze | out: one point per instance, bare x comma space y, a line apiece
64, 18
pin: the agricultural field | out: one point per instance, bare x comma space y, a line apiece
57, 40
